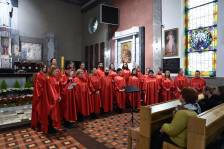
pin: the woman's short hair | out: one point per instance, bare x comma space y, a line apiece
189, 95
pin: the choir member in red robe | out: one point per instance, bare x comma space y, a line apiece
134, 98
167, 87
126, 72
140, 76
197, 82
146, 72
119, 86
85, 72
151, 88
58, 72
100, 71
54, 97
106, 92
95, 87
180, 82
40, 103
68, 102
112, 72
159, 77
82, 94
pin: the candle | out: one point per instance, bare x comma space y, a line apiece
62, 63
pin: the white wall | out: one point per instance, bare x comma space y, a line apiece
173, 17
38, 17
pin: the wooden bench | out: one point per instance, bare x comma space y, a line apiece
203, 129
151, 118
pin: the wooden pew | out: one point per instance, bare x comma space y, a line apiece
151, 118
203, 129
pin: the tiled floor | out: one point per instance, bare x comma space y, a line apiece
112, 130
28, 138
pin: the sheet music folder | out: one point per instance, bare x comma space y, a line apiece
131, 89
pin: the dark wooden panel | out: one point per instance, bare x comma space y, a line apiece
96, 55
173, 65
102, 47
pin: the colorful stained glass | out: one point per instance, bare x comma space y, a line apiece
201, 36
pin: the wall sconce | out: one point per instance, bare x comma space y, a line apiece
107, 53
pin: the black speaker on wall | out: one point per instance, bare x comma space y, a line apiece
142, 47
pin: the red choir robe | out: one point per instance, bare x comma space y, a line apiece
112, 74
134, 98
85, 75
53, 91
126, 74
106, 93
198, 83
40, 105
95, 87
141, 77
68, 102
82, 93
100, 72
167, 89
119, 84
159, 77
180, 82
151, 88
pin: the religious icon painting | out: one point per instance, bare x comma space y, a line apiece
5, 46
126, 48
171, 42
31, 51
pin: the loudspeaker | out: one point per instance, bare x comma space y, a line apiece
14, 3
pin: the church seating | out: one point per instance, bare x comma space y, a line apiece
151, 118
203, 129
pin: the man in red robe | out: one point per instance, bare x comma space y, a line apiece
197, 82
167, 87
134, 98
82, 95
106, 92
151, 88
180, 82
54, 97
100, 71
95, 87
126, 72
40, 103
119, 86
68, 103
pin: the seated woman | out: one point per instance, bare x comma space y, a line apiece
176, 131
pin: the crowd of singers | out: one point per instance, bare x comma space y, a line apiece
63, 97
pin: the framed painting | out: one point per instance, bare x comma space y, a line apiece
31, 51
126, 54
171, 42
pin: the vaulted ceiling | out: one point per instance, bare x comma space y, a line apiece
77, 2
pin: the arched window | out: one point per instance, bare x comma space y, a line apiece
201, 36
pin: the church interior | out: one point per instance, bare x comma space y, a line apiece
111, 74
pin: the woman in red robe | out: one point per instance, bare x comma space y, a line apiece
167, 87
112, 71
119, 86
160, 77
54, 97
40, 103
134, 98
106, 92
95, 86
68, 102
82, 94
180, 82
126, 72
151, 88
197, 82
85, 72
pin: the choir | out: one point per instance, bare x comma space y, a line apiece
71, 95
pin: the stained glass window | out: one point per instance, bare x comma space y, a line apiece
201, 36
